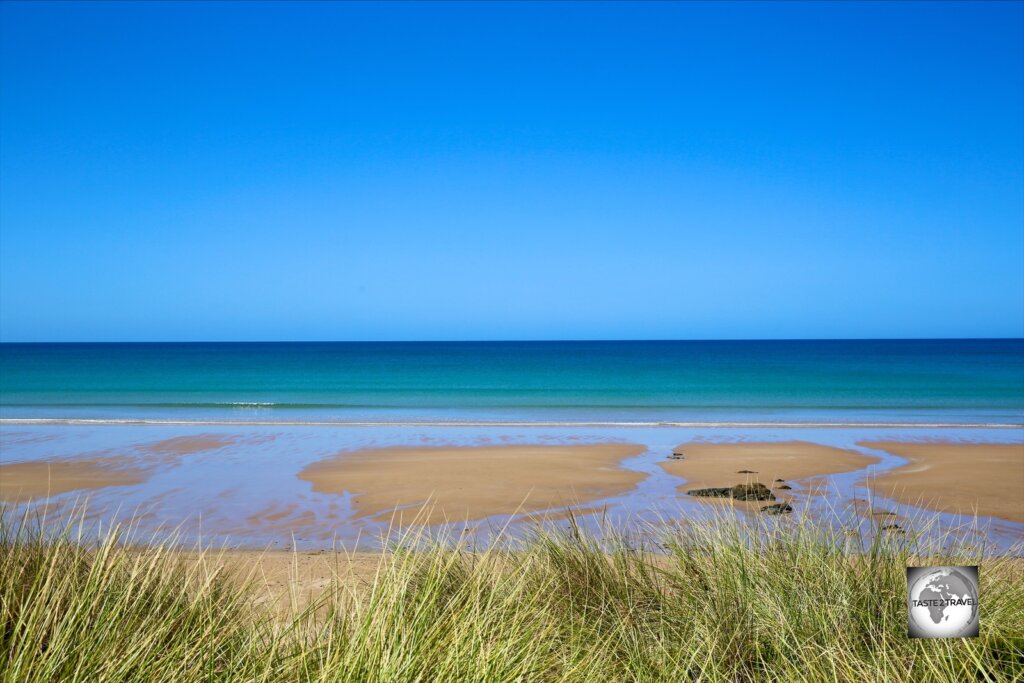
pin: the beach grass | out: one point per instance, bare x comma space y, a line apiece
708, 601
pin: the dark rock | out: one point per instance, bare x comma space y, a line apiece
723, 492
753, 491
777, 509
676, 456
784, 487
782, 480
746, 472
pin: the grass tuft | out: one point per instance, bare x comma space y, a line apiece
712, 601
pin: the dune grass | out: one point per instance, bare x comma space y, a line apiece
790, 602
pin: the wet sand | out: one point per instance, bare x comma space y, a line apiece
446, 484
186, 445
723, 464
26, 481
437, 483
964, 478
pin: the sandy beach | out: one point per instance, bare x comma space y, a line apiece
965, 478
287, 580
727, 464
439, 484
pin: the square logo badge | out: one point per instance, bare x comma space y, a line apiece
942, 602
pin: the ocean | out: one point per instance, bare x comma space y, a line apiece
848, 382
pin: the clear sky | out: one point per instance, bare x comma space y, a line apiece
530, 171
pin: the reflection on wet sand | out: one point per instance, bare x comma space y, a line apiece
40, 479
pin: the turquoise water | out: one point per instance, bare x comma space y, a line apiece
887, 381
654, 394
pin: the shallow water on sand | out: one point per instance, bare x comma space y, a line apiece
239, 484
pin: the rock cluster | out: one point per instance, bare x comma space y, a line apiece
753, 491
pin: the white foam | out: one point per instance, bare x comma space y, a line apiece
491, 423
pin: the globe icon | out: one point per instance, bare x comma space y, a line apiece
943, 602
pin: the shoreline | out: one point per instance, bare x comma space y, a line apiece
723, 424
276, 486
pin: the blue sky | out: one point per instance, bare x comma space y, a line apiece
528, 171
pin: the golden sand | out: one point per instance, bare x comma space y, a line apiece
722, 464
25, 481
438, 484
967, 478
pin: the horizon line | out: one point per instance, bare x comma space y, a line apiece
508, 341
